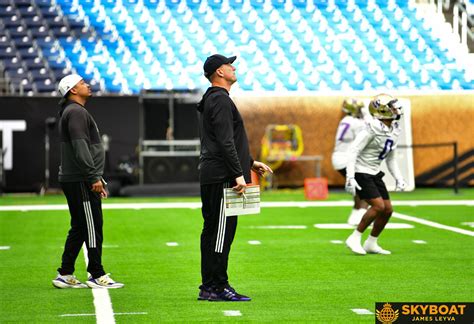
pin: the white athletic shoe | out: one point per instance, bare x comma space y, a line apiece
353, 243
103, 282
67, 281
374, 248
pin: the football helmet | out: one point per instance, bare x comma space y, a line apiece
352, 106
384, 106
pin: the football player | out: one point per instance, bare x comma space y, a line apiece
349, 126
375, 143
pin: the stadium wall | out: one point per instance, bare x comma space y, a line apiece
436, 118
115, 116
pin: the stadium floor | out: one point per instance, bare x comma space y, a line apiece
300, 274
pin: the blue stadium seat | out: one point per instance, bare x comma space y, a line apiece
34, 63
16, 73
344, 38
10, 63
7, 53
45, 86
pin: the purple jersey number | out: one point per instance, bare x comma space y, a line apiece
387, 148
345, 128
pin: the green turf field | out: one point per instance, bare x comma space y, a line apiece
294, 275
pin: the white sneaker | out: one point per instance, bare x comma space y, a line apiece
374, 248
103, 282
353, 244
67, 281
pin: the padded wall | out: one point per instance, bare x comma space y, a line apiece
435, 118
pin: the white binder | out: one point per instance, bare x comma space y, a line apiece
244, 204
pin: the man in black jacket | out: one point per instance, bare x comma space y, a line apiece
225, 162
80, 176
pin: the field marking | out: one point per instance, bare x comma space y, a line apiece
470, 224
5, 247
232, 313
76, 315
103, 305
279, 227
275, 204
419, 242
336, 241
361, 311
172, 243
432, 224
255, 242
347, 226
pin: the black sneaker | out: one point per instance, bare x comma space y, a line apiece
242, 297
205, 292
228, 294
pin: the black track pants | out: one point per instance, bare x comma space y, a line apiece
216, 238
85, 208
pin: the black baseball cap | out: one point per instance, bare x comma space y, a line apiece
213, 62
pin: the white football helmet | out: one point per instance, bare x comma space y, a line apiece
384, 106
352, 106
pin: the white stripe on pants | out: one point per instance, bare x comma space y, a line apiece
222, 222
89, 219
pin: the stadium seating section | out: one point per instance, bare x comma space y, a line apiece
282, 45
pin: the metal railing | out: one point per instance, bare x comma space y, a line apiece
454, 145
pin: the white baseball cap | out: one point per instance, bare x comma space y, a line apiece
67, 83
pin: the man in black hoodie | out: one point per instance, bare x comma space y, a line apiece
80, 176
225, 162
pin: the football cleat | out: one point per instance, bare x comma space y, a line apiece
352, 107
353, 243
103, 282
67, 281
384, 106
374, 248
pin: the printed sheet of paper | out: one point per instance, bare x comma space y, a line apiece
245, 204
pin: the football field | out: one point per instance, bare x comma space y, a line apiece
290, 259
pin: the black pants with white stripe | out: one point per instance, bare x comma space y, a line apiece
217, 235
85, 207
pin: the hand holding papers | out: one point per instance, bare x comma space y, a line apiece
242, 204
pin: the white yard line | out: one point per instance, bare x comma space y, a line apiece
362, 311
275, 204
232, 313
432, 224
193, 205
172, 243
470, 224
78, 315
4, 248
102, 303
419, 242
336, 242
279, 227
347, 226
255, 242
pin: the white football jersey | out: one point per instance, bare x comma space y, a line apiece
347, 130
371, 146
